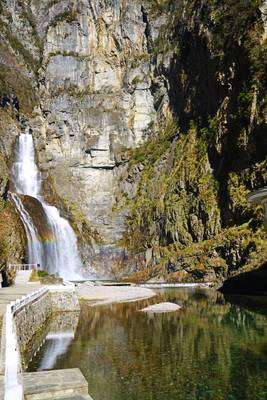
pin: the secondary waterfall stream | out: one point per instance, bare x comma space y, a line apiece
58, 253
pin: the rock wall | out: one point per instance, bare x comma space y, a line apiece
94, 97
31, 318
94, 101
183, 83
16, 103
186, 187
62, 322
64, 300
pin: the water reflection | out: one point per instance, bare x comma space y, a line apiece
210, 349
56, 338
56, 344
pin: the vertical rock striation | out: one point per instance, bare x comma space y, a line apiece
94, 97
148, 121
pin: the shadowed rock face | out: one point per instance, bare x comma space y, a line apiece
103, 77
35, 209
253, 282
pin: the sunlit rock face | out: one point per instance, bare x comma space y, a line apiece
95, 98
94, 77
94, 101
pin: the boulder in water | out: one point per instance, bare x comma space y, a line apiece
162, 307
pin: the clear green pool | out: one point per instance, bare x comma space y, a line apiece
211, 349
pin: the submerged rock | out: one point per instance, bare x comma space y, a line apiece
162, 307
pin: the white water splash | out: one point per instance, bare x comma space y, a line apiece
60, 255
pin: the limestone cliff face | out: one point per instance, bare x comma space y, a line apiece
84, 59
178, 82
94, 101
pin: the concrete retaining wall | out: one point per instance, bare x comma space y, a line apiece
64, 299
31, 318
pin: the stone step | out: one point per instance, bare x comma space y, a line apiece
22, 277
56, 384
71, 397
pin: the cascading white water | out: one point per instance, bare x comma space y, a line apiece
58, 254
26, 174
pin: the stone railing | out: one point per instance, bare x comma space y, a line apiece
24, 267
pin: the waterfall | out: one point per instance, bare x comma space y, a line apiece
58, 254
25, 171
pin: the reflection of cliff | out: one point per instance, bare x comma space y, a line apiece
200, 352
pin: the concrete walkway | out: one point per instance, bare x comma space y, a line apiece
22, 277
20, 289
67, 384
258, 196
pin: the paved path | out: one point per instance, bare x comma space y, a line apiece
20, 289
67, 384
22, 277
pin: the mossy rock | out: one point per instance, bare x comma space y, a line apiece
12, 235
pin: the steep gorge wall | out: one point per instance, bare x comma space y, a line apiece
189, 218
12, 235
93, 99
182, 82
